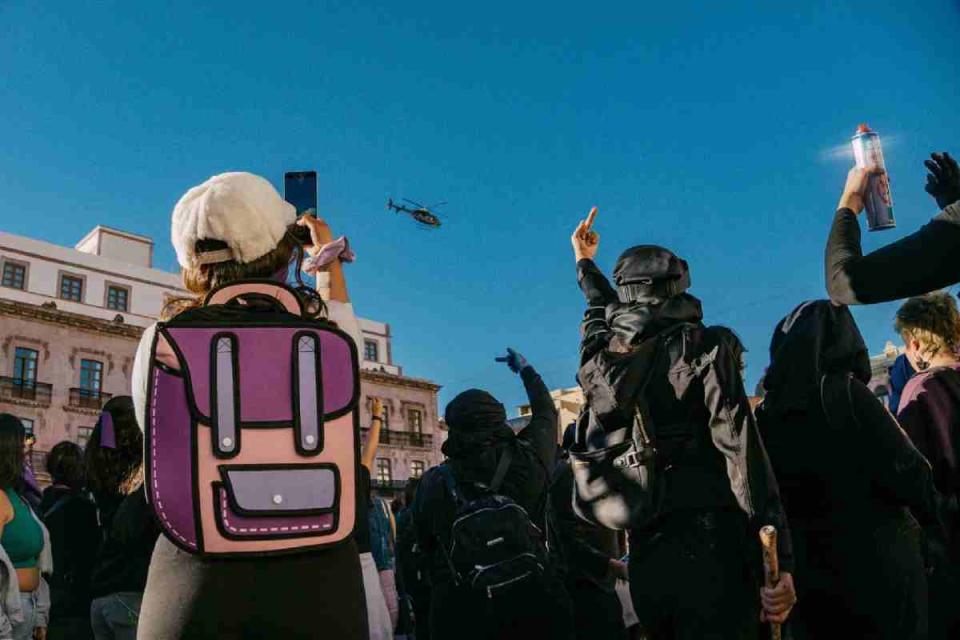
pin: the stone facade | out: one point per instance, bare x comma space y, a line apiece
408, 447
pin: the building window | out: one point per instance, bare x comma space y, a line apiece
91, 377
71, 288
384, 471
25, 366
417, 467
14, 275
83, 435
415, 420
371, 351
27, 426
117, 298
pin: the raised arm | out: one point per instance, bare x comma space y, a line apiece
921, 262
373, 437
541, 432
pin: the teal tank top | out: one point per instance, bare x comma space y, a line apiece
22, 537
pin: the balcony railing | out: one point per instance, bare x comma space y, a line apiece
88, 398
16, 389
404, 438
390, 485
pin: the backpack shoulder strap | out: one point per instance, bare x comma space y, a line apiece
59, 504
501, 471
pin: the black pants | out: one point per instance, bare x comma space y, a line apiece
596, 611
694, 576
316, 594
521, 613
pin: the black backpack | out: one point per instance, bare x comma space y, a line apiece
615, 470
494, 545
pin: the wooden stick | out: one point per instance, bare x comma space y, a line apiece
771, 567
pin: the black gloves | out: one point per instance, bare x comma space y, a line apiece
514, 360
943, 181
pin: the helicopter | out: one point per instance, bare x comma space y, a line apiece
420, 213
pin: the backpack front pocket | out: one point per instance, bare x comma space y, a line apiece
263, 502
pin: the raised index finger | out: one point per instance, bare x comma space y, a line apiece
590, 218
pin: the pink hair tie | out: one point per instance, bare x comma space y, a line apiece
339, 249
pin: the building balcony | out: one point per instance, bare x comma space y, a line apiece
404, 439
389, 485
20, 391
87, 399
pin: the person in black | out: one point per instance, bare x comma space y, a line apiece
478, 438
587, 556
924, 261
853, 483
411, 573
694, 560
71, 519
114, 467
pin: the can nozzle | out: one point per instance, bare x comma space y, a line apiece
863, 128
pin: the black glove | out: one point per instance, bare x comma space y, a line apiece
514, 360
943, 181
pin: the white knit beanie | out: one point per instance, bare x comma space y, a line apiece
240, 209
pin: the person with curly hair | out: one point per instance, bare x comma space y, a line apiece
24, 546
930, 414
71, 517
114, 465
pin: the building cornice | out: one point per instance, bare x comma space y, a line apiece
398, 381
68, 319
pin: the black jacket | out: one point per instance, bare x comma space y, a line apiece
923, 261
526, 482
129, 535
698, 386
71, 519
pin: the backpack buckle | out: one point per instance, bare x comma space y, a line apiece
629, 459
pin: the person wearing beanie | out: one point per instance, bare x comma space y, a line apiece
478, 439
236, 227
694, 552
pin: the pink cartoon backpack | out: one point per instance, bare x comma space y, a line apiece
252, 431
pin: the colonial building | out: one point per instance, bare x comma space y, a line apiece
70, 322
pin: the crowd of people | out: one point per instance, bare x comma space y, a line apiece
641, 523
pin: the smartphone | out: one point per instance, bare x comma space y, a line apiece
300, 190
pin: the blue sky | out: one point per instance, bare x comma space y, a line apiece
705, 129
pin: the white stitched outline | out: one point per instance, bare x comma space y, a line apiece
153, 461
232, 529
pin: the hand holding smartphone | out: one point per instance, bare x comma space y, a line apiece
300, 190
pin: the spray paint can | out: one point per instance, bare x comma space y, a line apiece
877, 200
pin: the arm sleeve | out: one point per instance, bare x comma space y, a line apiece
899, 469
594, 331
541, 432
43, 605
920, 262
735, 435
141, 368
342, 314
